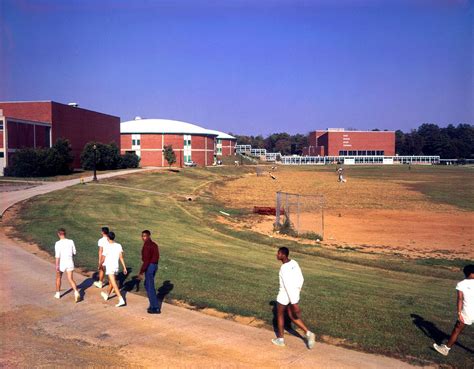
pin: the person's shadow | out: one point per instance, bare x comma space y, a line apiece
163, 291
432, 331
287, 326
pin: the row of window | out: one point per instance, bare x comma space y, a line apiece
361, 152
135, 142
187, 142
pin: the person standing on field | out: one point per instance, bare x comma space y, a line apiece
150, 258
465, 309
103, 242
291, 282
111, 255
64, 250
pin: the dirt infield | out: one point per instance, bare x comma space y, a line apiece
368, 214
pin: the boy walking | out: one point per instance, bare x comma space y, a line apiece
103, 241
465, 307
64, 250
111, 255
150, 258
291, 282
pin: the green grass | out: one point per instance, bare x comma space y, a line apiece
370, 301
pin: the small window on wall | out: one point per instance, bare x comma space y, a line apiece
2, 154
1, 125
138, 142
133, 142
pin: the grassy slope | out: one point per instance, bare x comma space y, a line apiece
366, 300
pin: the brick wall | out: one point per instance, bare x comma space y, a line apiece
39, 111
81, 126
353, 140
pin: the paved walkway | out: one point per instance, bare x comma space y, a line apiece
42, 331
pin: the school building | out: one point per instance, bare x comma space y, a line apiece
36, 124
339, 142
147, 138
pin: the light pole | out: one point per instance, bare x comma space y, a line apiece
95, 164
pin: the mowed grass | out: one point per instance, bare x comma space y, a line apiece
373, 303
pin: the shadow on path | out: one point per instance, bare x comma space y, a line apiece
163, 291
288, 326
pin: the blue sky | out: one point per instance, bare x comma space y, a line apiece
247, 67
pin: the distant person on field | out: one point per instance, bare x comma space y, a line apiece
150, 258
111, 255
64, 250
465, 308
103, 242
291, 282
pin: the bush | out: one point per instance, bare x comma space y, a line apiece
43, 162
129, 160
107, 157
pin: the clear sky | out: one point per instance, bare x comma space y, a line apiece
247, 67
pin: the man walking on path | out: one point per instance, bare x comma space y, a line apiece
64, 250
150, 257
102, 243
291, 282
112, 254
465, 307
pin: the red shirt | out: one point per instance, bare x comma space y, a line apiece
150, 255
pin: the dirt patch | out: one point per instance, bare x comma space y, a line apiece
367, 215
43, 349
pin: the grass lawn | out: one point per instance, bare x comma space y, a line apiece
375, 303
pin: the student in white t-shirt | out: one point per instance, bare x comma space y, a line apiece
103, 241
111, 255
64, 250
465, 307
291, 282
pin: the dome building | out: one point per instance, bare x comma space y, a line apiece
148, 137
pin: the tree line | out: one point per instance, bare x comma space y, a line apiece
451, 142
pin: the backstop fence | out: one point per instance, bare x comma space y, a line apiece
300, 215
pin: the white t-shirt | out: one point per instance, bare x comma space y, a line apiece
64, 250
467, 288
112, 254
291, 277
103, 242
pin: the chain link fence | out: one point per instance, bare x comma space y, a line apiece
300, 215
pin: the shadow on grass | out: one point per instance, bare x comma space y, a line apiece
430, 330
163, 291
287, 325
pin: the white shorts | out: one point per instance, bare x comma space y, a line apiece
66, 267
285, 298
109, 270
467, 319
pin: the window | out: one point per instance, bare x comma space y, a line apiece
138, 142
2, 154
133, 143
1, 125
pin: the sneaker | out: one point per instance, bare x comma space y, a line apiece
104, 295
121, 302
279, 342
442, 349
98, 284
57, 295
311, 339
77, 296
153, 311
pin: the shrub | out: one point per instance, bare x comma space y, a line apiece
107, 156
41, 162
129, 160
169, 154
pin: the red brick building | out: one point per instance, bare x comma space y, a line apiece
338, 142
225, 144
148, 137
40, 123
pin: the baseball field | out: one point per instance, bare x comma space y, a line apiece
382, 280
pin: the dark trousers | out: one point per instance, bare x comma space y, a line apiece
150, 285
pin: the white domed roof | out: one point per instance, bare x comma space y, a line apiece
163, 126
223, 136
